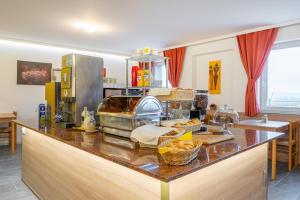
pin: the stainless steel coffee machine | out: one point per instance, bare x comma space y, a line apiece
81, 86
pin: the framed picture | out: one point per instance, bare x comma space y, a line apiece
214, 77
33, 73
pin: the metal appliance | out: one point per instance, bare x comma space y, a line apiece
121, 91
81, 86
119, 115
52, 96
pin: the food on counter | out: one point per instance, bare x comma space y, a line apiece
192, 122
174, 94
179, 152
175, 105
133, 112
149, 135
175, 133
224, 116
188, 125
210, 113
171, 133
224, 119
179, 145
186, 105
132, 104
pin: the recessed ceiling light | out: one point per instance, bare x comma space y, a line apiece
90, 28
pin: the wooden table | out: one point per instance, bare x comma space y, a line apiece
277, 126
8, 118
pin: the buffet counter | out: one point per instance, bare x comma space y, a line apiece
57, 164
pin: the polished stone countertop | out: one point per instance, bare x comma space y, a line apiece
148, 161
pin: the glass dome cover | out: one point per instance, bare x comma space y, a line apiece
224, 116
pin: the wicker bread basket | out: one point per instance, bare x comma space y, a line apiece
181, 157
187, 128
178, 95
192, 128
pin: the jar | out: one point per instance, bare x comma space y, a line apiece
201, 100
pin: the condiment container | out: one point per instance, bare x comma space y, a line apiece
140, 78
134, 75
146, 77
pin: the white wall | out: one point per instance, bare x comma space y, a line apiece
24, 98
233, 77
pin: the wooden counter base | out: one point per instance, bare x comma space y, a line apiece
55, 170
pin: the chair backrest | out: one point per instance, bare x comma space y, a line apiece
294, 128
15, 114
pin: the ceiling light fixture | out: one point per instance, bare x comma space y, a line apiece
90, 28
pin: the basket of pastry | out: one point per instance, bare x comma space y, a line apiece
172, 135
151, 136
173, 94
190, 125
179, 152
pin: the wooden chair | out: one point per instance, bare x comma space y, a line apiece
8, 130
290, 144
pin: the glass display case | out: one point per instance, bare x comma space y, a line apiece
119, 115
224, 116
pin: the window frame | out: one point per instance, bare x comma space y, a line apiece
263, 85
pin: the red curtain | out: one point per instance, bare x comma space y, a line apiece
175, 64
254, 50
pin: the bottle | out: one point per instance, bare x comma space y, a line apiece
146, 80
134, 74
42, 115
104, 72
140, 78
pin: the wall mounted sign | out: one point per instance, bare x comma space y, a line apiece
214, 77
33, 73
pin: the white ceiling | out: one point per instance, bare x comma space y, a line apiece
137, 23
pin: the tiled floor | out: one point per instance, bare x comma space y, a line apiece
286, 187
11, 186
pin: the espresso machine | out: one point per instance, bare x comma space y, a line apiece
81, 86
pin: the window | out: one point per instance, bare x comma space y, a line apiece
159, 75
280, 81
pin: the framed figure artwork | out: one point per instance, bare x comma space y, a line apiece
214, 77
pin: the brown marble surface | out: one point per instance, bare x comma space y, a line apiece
148, 161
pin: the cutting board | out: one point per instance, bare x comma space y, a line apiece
209, 138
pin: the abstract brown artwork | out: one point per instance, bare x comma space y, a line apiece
33, 73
